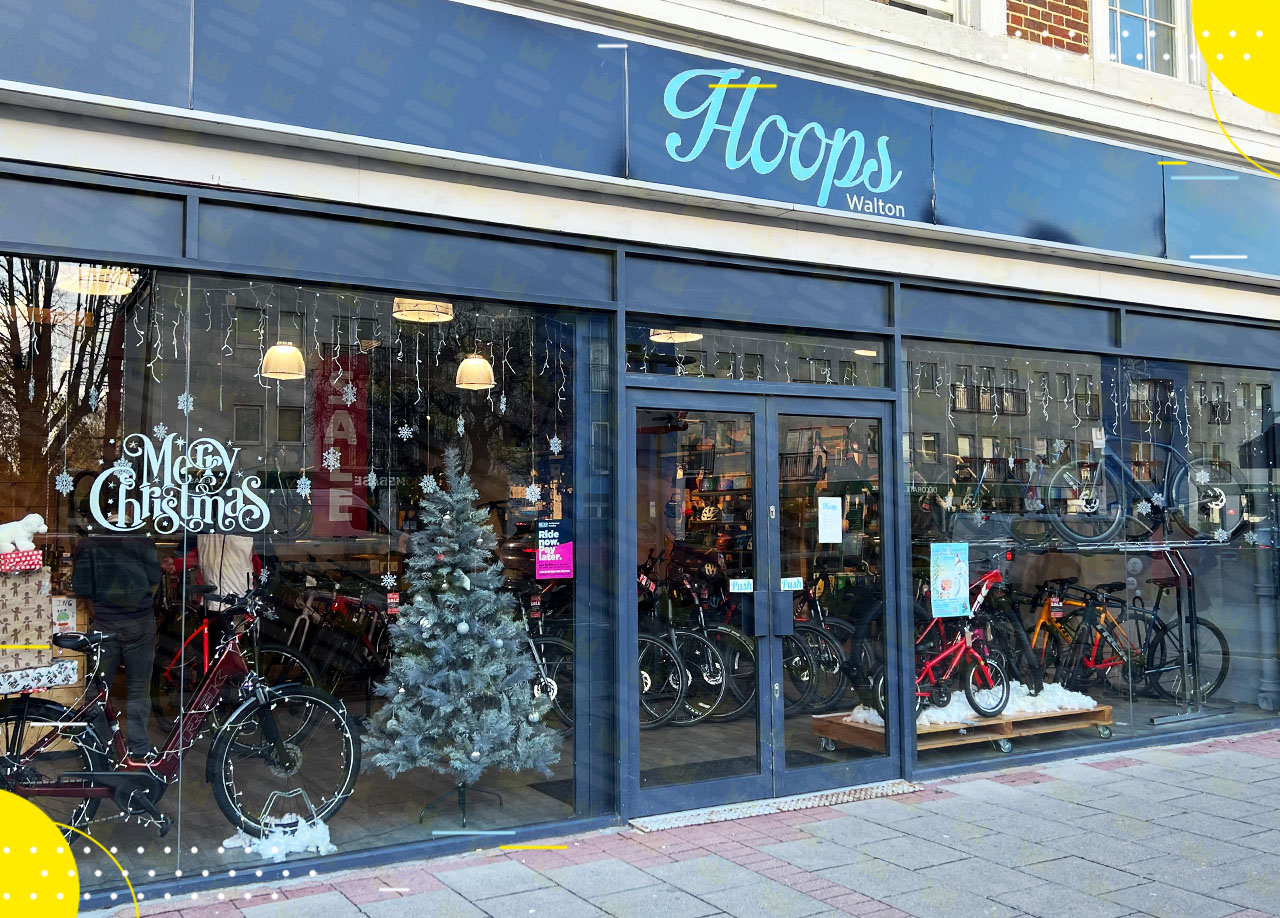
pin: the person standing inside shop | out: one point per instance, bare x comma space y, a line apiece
119, 575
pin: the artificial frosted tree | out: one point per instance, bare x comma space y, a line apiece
460, 686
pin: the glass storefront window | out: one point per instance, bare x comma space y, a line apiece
184, 436
668, 347
1126, 505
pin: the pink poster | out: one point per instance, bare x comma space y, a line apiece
554, 551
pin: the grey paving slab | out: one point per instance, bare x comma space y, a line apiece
978, 876
1118, 826
1199, 849
660, 901
1228, 763
851, 831
333, 904
874, 877
1137, 808
1146, 790
1005, 849
965, 808
1083, 772
1051, 900
1227, 807
1222, 787
439, 903
478, 883
1263, 841
813, 853
931, 826
599, 878
704, 874
1033, 828
1268, 817
1178, 777
1164, 901
1088, 877
767, 899
1260, 893
1103, 849
910, 852
1045, 807
1172, 870
882, 810
949, 902
1071, 791
552, 901
1232, 830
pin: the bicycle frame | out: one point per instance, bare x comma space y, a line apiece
959, 649
1108, 630
229, 663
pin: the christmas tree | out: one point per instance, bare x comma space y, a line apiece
459, 689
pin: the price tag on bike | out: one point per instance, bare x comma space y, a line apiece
1055, 607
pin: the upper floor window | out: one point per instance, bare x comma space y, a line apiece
1143, 34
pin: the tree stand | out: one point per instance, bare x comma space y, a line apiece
462, 800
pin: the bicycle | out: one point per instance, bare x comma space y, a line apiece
1163, 652
70, 759
552, 656
1112, 646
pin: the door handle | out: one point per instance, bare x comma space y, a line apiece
759, 614
784, 612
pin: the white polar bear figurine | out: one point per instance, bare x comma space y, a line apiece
17, 536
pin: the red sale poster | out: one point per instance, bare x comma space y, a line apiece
339, 492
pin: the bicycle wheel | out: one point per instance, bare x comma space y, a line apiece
705, 675
662, 681
988, 692
557, 680
1208, 502
261, 788
739, 654
801, 675
1085, 503
830, 683
26, 769
1211, 656
1047, 649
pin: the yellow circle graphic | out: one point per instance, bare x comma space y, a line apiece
38, 875
1240, 41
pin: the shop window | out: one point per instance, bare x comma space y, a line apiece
223, 468
1220, 407
661, 346
247, 424
1143, 34
929, 447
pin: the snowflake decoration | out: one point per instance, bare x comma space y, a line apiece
502, 403
556, 446
1142, 508
160, 431
304, 485
1059, 446
977, 516
1251, 538
1158, 500
428, 484
1202, 476
265, 575
388, 581
63, 485
1035, 505
405, 431
947, 502
462, 425
93, 399
349, 394
186, 402
332, 459
533, 493
372, 479
1220, 535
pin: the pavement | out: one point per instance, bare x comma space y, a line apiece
1190, 831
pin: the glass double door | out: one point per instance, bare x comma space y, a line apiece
762, 572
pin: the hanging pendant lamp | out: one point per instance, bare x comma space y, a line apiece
474, 373
283, 361
407, 309
95, 280
673, 336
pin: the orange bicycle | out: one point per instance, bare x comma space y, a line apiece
1093, 628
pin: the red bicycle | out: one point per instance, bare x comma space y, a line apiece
285, 757
939, 657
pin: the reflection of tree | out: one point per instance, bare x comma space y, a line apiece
58, 347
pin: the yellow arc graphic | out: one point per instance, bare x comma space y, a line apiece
137, 911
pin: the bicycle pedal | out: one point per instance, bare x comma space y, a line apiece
163, 825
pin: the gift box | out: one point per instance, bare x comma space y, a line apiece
12, 561
26, 620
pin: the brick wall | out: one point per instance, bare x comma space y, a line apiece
1053, 23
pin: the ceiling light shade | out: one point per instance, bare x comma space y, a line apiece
95, 280
407, 309
673, 336
474, 373
284, 361
866, 352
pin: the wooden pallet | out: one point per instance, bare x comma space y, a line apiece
978, 730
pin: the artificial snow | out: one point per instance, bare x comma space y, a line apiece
1021, 701
291, 834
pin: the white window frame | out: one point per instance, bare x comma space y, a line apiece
1187, 63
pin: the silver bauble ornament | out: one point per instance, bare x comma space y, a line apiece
418, 598
424, 622
463, 627
475, 756
533, 717
498, 643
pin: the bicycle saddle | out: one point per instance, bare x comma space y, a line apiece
1064, 581
1113, 587
79, 642
1165, 581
